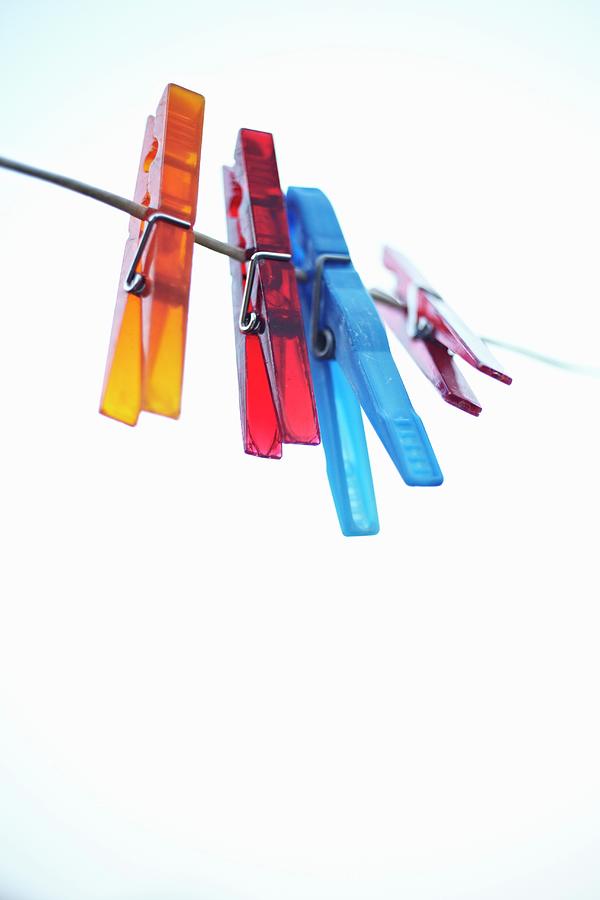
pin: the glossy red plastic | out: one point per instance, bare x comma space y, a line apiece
433, 359
277, 403
147, 346
432, 333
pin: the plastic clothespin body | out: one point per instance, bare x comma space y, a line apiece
361, 362
147, 346
432, 333
277, 403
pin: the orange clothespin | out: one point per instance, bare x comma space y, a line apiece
144, 369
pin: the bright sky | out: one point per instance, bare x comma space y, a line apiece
205, 690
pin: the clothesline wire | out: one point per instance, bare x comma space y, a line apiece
577, 368
138, 211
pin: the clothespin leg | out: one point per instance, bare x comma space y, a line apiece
345, 446
260, 425
122, 389
165, 319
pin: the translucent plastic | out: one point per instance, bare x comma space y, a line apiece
445, 332
433, 360
364, 360
147, 346
277, 403
122, 391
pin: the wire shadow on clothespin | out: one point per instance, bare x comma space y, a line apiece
277, 403
147, 345
432, 333
352, 368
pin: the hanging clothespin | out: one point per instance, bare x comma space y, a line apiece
352, 368
147, 345
432, 333
277, 403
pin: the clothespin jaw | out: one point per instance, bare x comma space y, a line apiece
147, 346
432, 333
277, 403
345, 329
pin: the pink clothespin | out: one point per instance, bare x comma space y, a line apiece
432, 333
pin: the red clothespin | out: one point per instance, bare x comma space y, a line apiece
147, 345
432, 333
277, 403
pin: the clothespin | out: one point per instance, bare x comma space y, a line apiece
352, 368
147, 345
277, 403
432, 333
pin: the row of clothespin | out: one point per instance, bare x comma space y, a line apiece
311, 348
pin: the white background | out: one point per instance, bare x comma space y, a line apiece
205, 690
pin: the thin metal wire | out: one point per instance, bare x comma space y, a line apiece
142, 212
591, 371
135, 281
250, 322
384, 297
129, 206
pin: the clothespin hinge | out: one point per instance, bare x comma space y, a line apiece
135, 281
250, 322
321, 339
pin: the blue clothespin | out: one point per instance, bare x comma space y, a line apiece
352, 367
